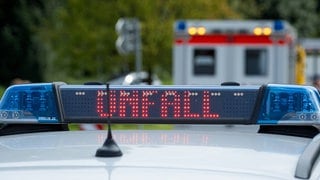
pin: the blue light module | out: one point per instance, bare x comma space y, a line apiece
29, 103
290, 104
62, 103
181, 26
278, 25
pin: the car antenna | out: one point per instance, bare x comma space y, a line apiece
109, 148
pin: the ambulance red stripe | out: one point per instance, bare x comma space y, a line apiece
234, 39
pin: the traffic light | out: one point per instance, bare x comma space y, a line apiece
128, 31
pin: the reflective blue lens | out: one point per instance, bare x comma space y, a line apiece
283, 104
278, 25
181, 26
29, 103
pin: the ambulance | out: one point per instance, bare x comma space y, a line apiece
209, 52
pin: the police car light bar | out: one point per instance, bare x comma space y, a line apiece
62, 103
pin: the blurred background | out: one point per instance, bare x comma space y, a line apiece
74, 40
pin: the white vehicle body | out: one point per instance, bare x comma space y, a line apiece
148, 155
243, 51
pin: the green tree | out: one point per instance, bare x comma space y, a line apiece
80, 35
303, 15
79, 38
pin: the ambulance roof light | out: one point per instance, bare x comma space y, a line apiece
197, 31
266, 31
181, 26
257, 31
192, 31
201, 30
278, 25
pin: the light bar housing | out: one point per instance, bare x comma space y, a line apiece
62, 103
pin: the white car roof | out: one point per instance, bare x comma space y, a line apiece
172, 154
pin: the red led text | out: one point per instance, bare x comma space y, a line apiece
156, 104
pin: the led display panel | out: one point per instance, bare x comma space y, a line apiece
157, 104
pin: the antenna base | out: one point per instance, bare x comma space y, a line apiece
109, 149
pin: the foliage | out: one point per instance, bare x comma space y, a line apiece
2, 89
303, 15
74, 40
20, 50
